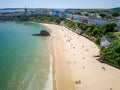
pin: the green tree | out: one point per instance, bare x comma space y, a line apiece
88, 31
115, 14
103, 15
109, 27
87, 14
95, 31
112, 53
97, 41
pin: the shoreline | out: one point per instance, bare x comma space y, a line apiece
58, 77
53, 63
49, 83
83, 71
51, 52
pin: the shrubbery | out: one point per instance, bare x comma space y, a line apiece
112, 53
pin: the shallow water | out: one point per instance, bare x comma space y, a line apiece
24, 59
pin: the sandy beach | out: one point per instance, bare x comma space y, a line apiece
74, 64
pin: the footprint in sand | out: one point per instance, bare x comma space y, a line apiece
73, 54
75, 62
110, 88
83, 58
73, 47
83, 67
87, 50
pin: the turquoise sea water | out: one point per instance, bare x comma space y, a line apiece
24, 59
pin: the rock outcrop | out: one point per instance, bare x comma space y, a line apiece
42, 33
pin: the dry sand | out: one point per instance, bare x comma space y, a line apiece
75, 68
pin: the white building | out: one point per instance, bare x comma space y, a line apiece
105, 42
98, 16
